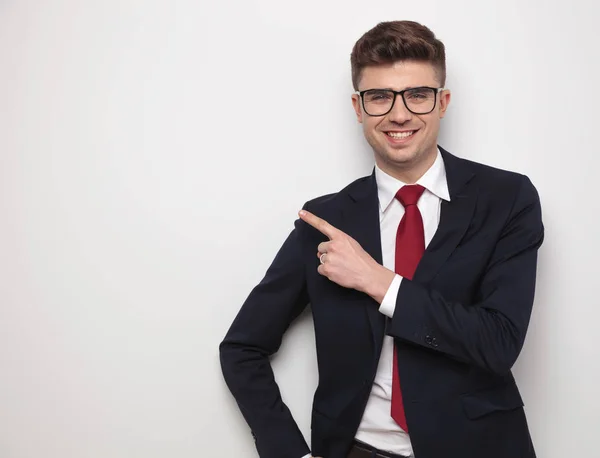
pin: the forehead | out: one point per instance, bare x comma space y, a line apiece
398, 75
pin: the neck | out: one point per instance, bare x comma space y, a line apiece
408, 173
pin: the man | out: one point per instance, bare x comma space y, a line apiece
421, 279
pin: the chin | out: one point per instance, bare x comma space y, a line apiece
401, 157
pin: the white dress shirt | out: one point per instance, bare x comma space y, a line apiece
377, 428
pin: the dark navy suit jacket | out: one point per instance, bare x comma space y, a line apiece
459, 324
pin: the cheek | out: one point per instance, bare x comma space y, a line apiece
434, 126
370, 126
430, 125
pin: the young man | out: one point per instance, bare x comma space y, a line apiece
421, 279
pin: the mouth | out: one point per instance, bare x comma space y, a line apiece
396, 137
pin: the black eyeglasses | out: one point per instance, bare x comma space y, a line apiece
417, 100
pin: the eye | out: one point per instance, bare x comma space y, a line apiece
419, 94
378, 96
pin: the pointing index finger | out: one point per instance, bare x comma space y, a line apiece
319, 224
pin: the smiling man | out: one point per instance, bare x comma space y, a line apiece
421, 278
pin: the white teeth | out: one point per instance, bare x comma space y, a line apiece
401, 134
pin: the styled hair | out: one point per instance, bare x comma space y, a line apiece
394, 41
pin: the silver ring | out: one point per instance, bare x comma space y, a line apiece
321, 258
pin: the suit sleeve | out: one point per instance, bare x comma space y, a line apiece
490, 332
254, 336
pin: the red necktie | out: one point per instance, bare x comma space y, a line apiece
410, 246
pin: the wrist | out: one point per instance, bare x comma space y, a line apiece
379, 282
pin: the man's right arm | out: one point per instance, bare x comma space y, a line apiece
254, 336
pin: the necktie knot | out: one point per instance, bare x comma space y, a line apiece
410, 194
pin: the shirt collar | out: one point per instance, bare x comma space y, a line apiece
434, 180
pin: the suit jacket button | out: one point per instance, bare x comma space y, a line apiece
428, 340
434, 342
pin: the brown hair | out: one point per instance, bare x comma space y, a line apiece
389, 42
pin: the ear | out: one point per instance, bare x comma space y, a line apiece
357, 107
445, 97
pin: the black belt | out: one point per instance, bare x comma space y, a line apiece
362, 450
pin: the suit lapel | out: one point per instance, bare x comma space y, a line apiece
361, 221
455, 217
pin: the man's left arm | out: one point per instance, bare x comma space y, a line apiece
489, 333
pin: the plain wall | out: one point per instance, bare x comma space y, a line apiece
153, 156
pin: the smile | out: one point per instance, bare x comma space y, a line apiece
400, 135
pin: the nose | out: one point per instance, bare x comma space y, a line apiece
399, 113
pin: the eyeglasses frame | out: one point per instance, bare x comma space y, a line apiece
401, 93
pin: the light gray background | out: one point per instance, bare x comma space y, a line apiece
153, 156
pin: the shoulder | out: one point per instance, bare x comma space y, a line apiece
500, 184
494, 176
506, 184
330, 202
